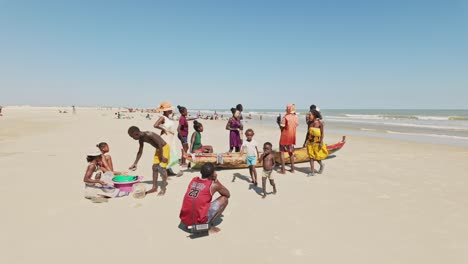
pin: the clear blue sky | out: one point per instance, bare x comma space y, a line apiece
264, 54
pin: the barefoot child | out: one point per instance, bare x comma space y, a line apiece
195, 141
250, 147
161, 157
182, 132
268, 164
314, 142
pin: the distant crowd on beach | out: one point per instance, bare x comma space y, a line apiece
198, 206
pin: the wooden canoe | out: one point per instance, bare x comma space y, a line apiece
237, 160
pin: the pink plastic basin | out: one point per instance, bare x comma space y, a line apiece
126, 186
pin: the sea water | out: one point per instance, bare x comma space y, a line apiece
420, 125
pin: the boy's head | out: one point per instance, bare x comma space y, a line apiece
103, 147
249, 133
239, 108
267, 147
208, 171
134, 132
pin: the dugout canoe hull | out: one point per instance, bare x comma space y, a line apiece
237, 160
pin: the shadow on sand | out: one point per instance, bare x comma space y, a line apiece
201, 234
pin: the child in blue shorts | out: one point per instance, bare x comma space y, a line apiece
249, 146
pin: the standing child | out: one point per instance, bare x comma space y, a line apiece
316, 149
161, 157
250, 147
235, 128
268, 164
183, 131
195, 141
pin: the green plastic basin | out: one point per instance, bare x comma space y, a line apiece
123, 178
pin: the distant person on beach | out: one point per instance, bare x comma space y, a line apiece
183, 131
195, 141
161, 157
235, 129
1, 108
240, 108
168, 129
197, 206
288, 127
106, 163
268, 160
316, 149
74, 110
249, 146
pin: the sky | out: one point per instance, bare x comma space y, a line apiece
338, 54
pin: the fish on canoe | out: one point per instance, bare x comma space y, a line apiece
237, 160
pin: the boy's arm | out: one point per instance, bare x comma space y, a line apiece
258, 157
140, 151
223, 191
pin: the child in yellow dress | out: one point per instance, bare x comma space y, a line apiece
314, 142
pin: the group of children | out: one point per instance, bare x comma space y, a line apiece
162, 156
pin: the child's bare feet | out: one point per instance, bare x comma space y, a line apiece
162, 192
282, 172
274, 190
322, 167
152, 190
214, 230
264, 196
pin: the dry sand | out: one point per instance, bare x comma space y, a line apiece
378, 201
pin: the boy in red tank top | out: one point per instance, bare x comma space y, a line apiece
198, 207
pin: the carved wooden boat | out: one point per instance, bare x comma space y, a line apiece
237, 160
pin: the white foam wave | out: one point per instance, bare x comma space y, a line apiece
427, 135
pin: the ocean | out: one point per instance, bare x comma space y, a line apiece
420, 125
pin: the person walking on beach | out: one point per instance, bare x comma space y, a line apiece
314, 142
250, 147
197, 206
235, 129
168, 129
161, 157
288, 127
268, 160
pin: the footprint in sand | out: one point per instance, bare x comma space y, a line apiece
298, 252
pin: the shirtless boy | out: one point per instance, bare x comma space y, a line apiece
161, 157
268, 164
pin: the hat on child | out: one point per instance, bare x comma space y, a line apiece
94, 153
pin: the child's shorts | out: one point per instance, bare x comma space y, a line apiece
267, 174
251, 160
165, 153
182, 138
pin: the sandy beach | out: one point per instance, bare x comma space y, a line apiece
378, 201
